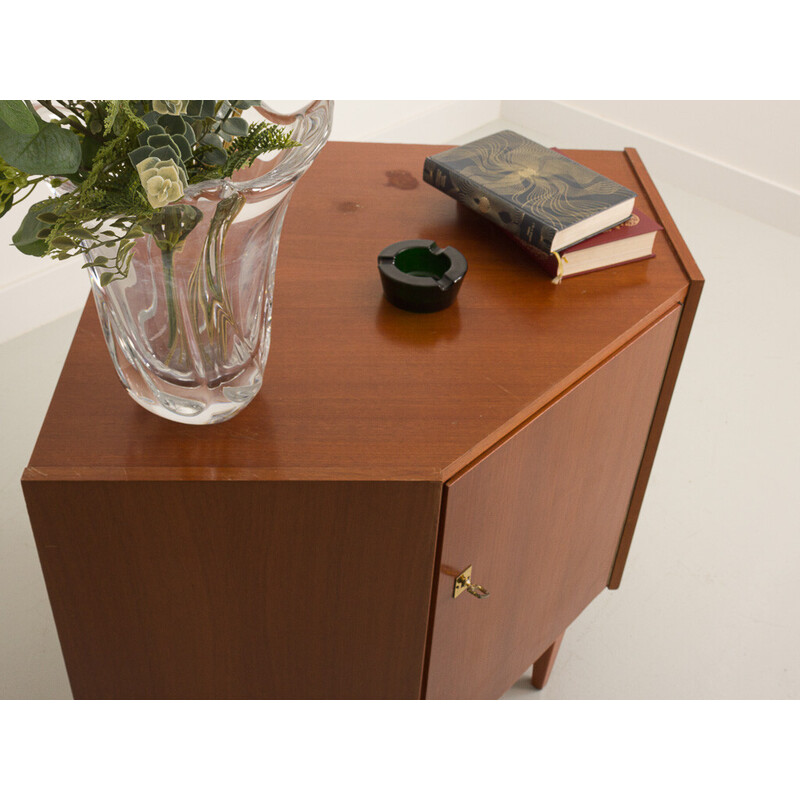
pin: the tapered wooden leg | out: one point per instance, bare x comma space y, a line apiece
544, 664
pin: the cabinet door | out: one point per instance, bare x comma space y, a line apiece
539, 519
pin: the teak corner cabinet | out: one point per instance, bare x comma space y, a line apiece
311, 547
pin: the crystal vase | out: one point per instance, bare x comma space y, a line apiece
189, 330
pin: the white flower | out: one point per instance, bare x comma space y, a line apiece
170, 106
163, 181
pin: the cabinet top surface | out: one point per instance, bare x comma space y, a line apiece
355, 388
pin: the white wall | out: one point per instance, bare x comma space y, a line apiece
34, 291
760, 138
410, 121
742, 154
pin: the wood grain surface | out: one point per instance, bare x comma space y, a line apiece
238, 590
298, 549
539, 520
543, 665
688, 313
355, 388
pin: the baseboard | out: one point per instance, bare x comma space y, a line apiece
557, 124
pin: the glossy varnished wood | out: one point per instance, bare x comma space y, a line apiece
304, 548
539, 520
690, 303
354, 388
234, 589
543, 665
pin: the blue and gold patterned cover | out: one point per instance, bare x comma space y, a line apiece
523, 186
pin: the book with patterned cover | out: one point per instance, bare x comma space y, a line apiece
536, 193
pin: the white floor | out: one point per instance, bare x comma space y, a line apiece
708, 607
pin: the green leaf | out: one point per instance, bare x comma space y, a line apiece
106, 278
235, 126
18, 117
63, 241
6, 204
183, 146
168, 153
113, 110
214, 158
140, 154
28, 238
212, 140
172, 123
50, 151
160, 140
153, 130
89, 149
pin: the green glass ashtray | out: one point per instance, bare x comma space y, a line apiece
417, 275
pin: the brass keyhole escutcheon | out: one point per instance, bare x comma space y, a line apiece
464, 584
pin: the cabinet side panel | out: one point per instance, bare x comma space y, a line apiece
539, 519
690, 304
659, 418
239, 589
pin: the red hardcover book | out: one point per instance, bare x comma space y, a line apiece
629, 241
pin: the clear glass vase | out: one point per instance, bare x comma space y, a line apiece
188, 330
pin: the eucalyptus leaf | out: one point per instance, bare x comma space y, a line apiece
28, 239
163, 144
212, 140
160, 140
153, 130
214, 158
140, 154
183, 146
172, 123
50, 151
18, 117
168, 153
235, 126
201, 108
